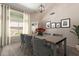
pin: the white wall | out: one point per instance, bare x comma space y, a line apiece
63, 11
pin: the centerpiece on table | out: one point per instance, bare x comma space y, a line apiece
40, 31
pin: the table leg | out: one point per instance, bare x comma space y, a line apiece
65, 53
55, 51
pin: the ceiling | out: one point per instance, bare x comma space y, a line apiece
32, 6
29, 7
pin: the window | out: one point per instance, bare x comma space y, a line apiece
16, 23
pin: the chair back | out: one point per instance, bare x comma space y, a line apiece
27, 39
40, 49
22, 38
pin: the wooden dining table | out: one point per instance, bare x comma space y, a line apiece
54, 40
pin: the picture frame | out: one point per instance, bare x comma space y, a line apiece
58, 24
48, 24
53, 25
65, 23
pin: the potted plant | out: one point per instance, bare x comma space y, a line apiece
76, 32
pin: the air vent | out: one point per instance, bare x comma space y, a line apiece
52, 13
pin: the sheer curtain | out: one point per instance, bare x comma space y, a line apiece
4, 19
0, 25
26, 23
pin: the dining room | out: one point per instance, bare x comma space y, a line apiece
39, 29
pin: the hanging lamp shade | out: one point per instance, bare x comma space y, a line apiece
42, 8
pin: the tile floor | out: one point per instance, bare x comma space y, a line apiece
15, 50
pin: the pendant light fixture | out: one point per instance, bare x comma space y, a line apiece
42, 8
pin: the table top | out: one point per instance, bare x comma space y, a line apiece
53, 39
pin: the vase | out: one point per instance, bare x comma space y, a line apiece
40, 33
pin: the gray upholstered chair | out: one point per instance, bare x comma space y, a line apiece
26, 44
27, 40
40, 49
